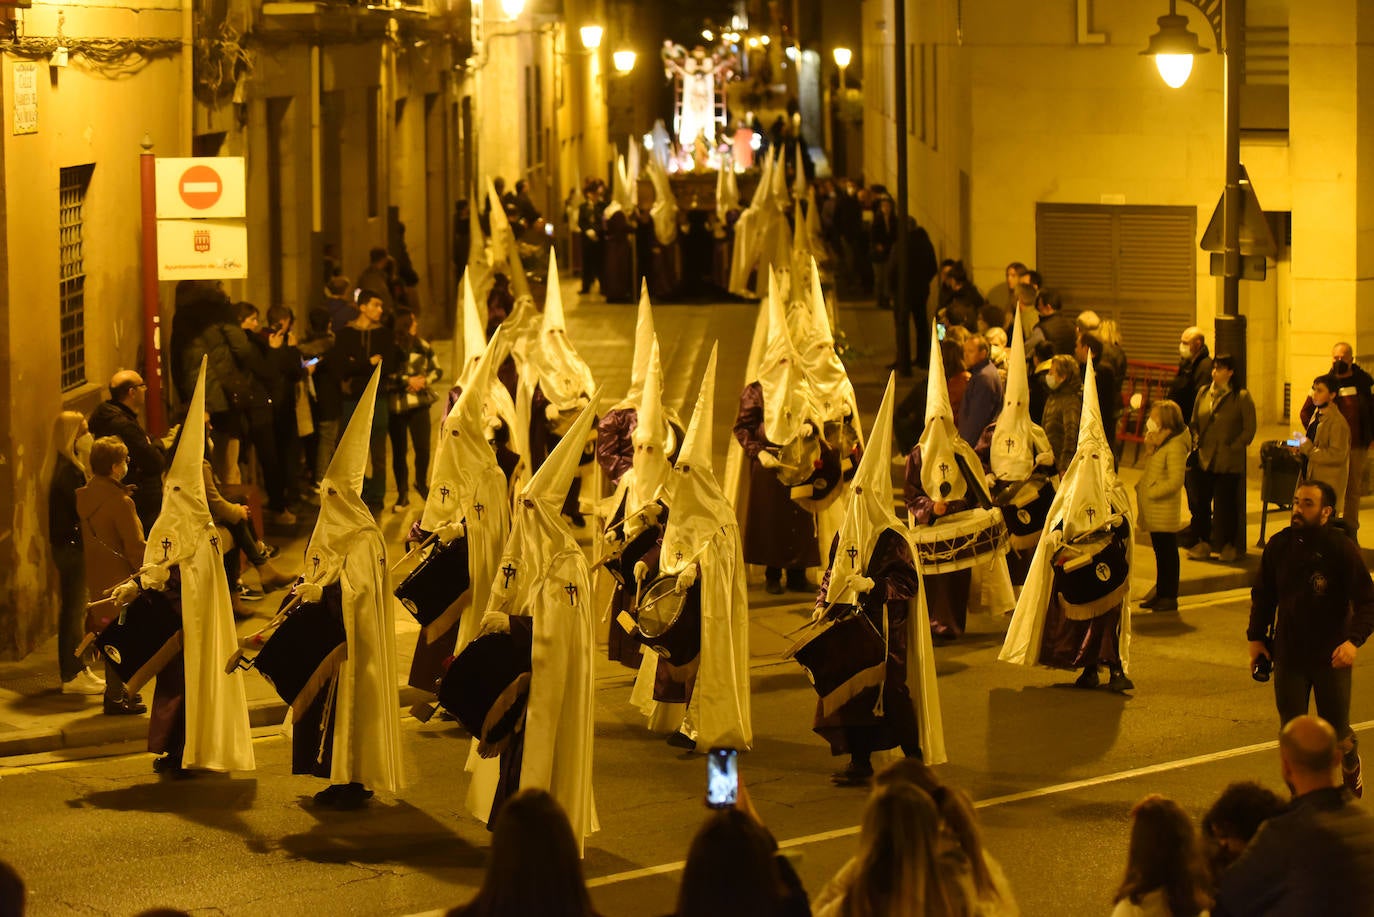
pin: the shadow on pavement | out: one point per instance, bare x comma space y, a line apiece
1084, 725
396, 833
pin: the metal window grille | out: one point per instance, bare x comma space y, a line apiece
72, 273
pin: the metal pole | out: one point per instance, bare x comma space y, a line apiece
899, 103
154, 413
1230, 330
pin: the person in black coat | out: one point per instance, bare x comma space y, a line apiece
119, 417
1194, 371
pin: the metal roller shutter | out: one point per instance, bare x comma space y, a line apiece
1135, 265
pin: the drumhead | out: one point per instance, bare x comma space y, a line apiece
661, 607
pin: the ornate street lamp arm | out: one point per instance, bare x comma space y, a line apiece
1212, 10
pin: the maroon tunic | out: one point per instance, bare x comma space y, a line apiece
778, 531
620, 645
947, 593
617, 273
615, 450
1018, 560
854, 727
543, 441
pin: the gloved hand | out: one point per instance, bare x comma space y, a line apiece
863, 584
494, 622
818, 613
154, 576
686, 579
125, 592
807, 430
768, 459
612, 537
550, 413
652, 512
309, 592
641, 571
449, 531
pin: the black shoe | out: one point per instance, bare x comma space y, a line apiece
1119, 682
799, 584
678, 740
351, 796
248, 593
125, 706
773, 587
267, 551
1089, 678
854, 774
1149, 597
1161, 604
942, 637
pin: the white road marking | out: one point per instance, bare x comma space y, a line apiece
1054, 790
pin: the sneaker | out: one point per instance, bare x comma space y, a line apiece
248, 594
1200, 551
268, 551
85, 683
125, 706
1229, 554
1159, 605
1354, 780
942, 637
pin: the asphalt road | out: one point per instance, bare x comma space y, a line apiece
1055, 771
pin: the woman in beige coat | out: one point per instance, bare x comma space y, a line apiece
1327, 447
1157, 498
112, 540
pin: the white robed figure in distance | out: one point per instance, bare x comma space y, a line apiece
544, 576
701, 548
199, 717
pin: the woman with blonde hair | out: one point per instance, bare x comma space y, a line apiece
1157, 498
64, 471
902, 868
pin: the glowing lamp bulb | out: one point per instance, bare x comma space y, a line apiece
591, 36
843, 56
1174, 68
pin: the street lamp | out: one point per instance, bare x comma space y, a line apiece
624, 61
1173, 47
512, 8
591, 36
842, 57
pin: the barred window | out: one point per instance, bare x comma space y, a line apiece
71, 295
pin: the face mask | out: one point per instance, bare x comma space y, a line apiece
84, 443
1151, 426
1340, 367
1185, 351
1052, 381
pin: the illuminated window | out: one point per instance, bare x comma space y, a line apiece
71, 295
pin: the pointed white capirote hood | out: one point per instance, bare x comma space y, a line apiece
462, 454
1013, 449
550, 483
781, 375
560, 371
652, 437
186, 474
940, 476
472, 341
644, 340
869, 510
799, 181
348, 467
699, 508
502, 237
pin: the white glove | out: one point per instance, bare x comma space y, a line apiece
652, 512
612, 537
494, 622
768, 459
309, 592
686, 579
863, 584
551, 413
449, 531
641, 571
807, 430
125, 593
818, 614
154, 576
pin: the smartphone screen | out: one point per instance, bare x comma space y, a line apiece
311, 362
940, 331
722, 778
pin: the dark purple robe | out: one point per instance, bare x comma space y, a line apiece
946, 593
615, 451
621, 646
617, 273
542, 442
778, 531
854, 728
1018, 561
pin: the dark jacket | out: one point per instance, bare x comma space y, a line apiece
1058, 329
146, 461
922, 267
982, 401
882, 235
1355, 398
1221, 432
1313, 591
1063, 411
64, 524
1194, 374
1315, 857
233, 373
352, 356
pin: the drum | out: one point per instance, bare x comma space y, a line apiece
670, 621
1091, 576
438, 580
306, 651
843, 654
487, 686
145, 636
961, 541
1025, 506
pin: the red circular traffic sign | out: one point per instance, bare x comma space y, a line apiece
200, 187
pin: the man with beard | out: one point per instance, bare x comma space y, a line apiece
1311, 609
1354, 395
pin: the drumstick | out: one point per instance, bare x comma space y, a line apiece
413, 551
325, 715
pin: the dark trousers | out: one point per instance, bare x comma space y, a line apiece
414, 422
593, 257
71, 622
882, 283
1217, 511
245, 540
908, 311
264, 442
288, 442
1166, 564
1294, 684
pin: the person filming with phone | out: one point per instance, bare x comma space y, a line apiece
1311, 609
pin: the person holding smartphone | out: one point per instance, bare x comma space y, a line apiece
1313, 601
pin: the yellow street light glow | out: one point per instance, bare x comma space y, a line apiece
764, 40
591, 36
752, 42
708, 35
624, 61
1174, 68
512, 8
843, 56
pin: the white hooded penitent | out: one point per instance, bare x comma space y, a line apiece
1017, 442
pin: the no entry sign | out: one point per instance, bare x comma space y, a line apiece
209, 187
